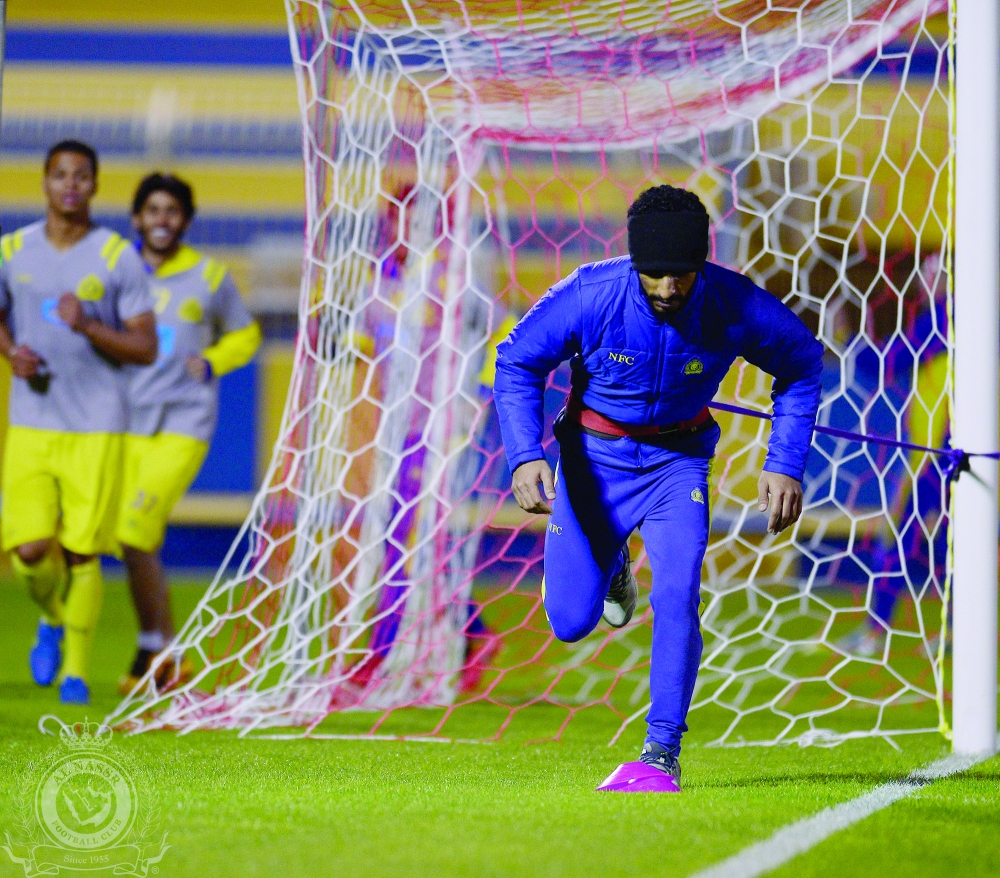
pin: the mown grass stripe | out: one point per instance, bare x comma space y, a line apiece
797, 838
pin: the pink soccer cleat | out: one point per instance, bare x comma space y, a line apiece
637, 777
656, 771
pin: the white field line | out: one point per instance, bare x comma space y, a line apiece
797, 838
414, 739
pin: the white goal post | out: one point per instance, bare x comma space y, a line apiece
977, 386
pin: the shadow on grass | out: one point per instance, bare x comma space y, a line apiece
827, 777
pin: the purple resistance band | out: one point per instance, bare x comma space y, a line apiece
956, 460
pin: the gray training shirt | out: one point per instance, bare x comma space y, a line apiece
196, 301
85, 392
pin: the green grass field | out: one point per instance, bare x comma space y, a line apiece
381, 809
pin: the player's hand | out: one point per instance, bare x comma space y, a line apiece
199, 368
70, 311
24, 362
783, 496
525, 487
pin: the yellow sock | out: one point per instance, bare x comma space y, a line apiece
83, 606
45, 581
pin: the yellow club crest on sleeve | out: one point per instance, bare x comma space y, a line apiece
698, 496
694, 366
90, 289
190, 310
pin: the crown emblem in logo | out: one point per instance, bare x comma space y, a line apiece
85, 736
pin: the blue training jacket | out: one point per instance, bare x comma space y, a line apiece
633, 367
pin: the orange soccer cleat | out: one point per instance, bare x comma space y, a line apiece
170, 671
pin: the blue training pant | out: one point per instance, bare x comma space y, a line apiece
605, 488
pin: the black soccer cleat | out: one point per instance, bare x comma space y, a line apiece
623, 593
660, 757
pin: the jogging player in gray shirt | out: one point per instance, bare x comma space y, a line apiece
74, 306
205, 331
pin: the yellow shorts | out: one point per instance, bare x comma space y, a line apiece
158, 470
64, 485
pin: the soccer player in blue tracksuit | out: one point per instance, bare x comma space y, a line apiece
649, 338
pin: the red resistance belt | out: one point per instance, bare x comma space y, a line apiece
595, 422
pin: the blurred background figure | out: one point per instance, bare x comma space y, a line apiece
915, 369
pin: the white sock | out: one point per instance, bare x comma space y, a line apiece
154, 641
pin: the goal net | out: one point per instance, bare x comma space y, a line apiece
460, 158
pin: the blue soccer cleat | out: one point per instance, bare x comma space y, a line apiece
74, 691
45, 657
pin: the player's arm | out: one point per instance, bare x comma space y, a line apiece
546, 336
239, 339
232, 351
24, 362
135, 342
778, 342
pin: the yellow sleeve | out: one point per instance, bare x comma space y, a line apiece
489, 371
234, 349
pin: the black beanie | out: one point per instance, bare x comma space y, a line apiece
675, 242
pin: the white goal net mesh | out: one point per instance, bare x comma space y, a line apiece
461, 157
